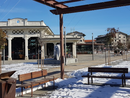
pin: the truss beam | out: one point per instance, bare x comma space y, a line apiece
96, 6
70, 1
52, 3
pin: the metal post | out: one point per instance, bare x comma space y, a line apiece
3, 56
38, 58
105, 58
126, 55
123, 55
61, 46
109, 55
41, 57
0, 61
65, 44
92, 47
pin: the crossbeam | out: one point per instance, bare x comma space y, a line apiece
67, 1
89, 7
52, 3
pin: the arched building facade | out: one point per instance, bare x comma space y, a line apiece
22, 40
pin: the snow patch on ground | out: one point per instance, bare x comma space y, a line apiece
76, 87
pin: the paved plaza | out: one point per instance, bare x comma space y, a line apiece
83, 61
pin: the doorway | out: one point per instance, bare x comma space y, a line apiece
33, 48
18, 48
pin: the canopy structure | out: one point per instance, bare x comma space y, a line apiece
61, 7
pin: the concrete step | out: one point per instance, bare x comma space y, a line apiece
54, 61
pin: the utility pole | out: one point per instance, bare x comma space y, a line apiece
61, 46
105, 58
65, 44
92, 48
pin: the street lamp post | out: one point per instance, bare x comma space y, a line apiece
65, 44
92, 47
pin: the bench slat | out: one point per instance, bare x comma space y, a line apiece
35, 83
107, 70
31, 75
111, 70
39, 73
24, 77
112, 77
127, 77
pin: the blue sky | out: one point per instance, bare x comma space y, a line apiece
95, 22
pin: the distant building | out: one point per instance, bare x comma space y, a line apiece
119, 37
76, 33
128, 39
89, 41
86, 47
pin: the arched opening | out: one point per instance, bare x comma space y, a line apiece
18, 48
33, 48
50, 49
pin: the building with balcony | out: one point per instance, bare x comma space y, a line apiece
119, 37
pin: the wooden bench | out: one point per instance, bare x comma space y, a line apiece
107, 70
29, 80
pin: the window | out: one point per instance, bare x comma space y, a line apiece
34, 31
18, 21
17, 31
115, 40
4, 31
80, 40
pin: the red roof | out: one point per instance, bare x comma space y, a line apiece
89, 41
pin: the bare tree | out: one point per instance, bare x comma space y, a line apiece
2, 43
120, 45
109, 39
42, 52
41, 43
110, 35
128, 45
